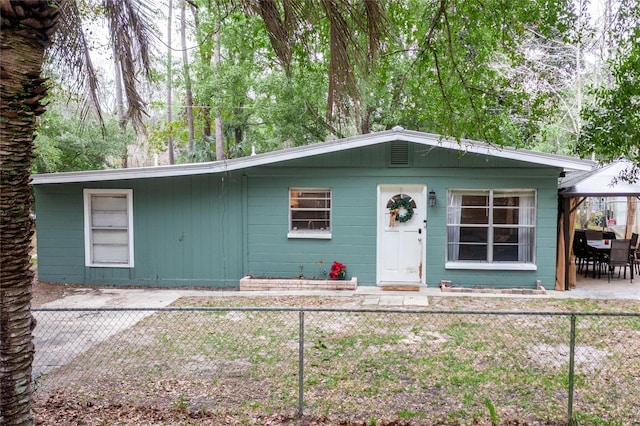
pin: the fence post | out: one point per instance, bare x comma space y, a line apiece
572, 353
301, 365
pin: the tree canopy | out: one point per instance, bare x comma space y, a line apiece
291, 72
334, 69
612, 124
65, 144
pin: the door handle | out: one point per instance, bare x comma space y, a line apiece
419, 230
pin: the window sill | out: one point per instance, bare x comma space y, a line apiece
109, 265
492, 266
310, 235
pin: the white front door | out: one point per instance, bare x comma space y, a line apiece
401, 239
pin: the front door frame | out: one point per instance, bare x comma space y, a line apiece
420, 192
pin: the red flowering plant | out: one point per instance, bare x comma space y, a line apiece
338, 271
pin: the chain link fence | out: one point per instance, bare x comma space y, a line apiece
359, 365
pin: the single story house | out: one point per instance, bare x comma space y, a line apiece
396, 206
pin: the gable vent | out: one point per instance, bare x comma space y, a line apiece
399, 154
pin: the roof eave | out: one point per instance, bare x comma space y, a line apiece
396, 134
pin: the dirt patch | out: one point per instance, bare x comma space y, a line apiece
44, 292
88, 414
587, 358
77, 414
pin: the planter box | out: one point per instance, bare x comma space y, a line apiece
252, 284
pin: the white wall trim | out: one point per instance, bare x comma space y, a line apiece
87, 193
492, 266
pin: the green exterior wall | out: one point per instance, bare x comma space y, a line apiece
185, 233
210, 230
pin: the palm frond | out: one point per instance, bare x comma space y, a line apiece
69, 57
130, 29
281, 18
287, 23
341, 62
130, 32
348, 19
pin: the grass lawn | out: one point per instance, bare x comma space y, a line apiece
238, 363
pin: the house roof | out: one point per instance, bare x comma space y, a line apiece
601, 182
396, 134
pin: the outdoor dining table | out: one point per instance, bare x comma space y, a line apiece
601, 247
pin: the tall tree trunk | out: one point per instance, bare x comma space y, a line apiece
205, 58
218, 120
169, 84
575, 117
25, 31
186, 72
122, 118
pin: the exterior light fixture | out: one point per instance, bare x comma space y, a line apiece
432, 198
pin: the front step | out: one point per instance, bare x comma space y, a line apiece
393, 286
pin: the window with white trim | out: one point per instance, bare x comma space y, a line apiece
491, 226
108, 224
309, 213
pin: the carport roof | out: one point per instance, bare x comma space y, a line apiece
602, 182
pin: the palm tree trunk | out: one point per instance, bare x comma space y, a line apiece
25, 30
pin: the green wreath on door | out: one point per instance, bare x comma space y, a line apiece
404, 203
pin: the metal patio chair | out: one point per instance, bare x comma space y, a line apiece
619, 257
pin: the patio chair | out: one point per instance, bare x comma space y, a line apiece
585, 255
581, 250
633, 252
619, 257
592, 234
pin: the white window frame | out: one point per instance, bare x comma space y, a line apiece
489, 264
307, 233
88, 229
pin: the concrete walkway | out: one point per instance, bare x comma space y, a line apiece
157, 298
